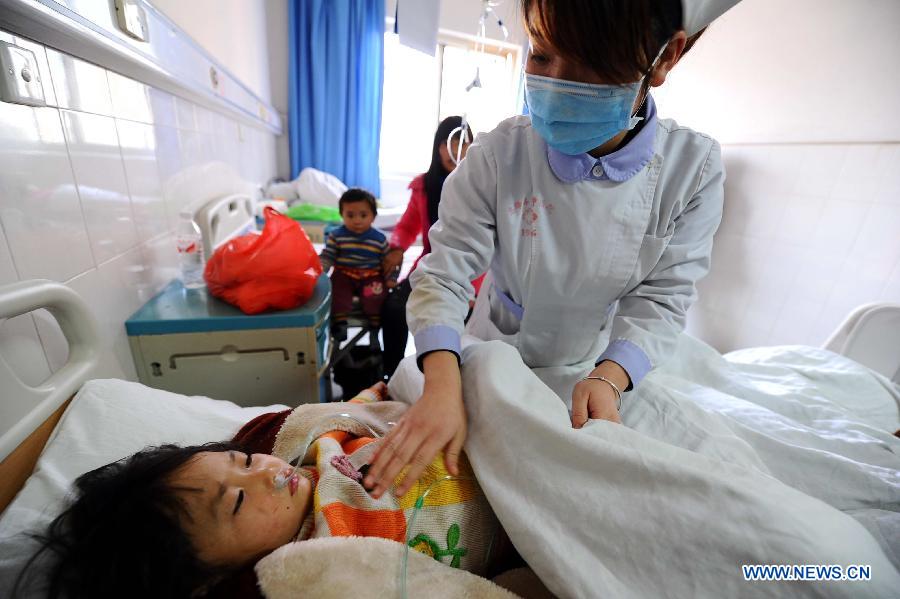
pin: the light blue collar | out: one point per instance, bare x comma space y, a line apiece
619, 166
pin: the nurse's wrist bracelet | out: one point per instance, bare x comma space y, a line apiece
611, 384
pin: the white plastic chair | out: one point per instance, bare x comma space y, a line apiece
870, 335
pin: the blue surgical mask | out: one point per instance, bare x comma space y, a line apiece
575, 117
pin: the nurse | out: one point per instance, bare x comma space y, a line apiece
594, 218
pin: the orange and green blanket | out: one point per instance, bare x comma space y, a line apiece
454, 523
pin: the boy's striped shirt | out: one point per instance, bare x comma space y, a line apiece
347, 250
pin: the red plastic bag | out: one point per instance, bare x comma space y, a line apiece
277, 269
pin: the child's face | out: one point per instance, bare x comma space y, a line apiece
237, 513
357, 216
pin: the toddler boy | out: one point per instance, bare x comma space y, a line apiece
356, 251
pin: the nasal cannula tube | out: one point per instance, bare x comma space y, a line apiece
420, 502
282, 479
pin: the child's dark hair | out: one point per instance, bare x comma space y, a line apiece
355, 194
122, 535
617, 39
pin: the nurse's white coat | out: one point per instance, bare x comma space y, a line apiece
566, 253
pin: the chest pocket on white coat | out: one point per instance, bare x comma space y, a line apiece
634, 221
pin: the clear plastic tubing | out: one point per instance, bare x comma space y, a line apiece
282, 480
412, 520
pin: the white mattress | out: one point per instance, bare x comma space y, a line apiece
387, 218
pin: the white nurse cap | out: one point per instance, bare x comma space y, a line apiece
700, 13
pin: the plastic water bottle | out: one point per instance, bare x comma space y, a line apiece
189, 241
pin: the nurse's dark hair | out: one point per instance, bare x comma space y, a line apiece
121, 535
616, 39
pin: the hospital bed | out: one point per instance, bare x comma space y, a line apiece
870, 335
47, 438
54, 432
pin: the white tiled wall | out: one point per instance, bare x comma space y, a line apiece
90, 189
809, 232
812, 148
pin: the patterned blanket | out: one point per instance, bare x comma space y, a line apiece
446, 518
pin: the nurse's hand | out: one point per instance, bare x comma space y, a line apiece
597, 399
437, 421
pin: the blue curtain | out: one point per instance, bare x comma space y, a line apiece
336, 79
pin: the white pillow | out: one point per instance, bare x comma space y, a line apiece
108, 420
318, 187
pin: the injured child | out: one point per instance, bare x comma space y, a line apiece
170, 521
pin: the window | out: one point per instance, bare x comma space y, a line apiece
409, 109
486, 106
421, 90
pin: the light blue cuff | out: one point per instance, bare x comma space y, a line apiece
437, 338
630, 357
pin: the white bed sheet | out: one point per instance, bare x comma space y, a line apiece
108, 420
760, 456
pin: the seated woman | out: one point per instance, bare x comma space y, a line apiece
421, 213
171, 521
